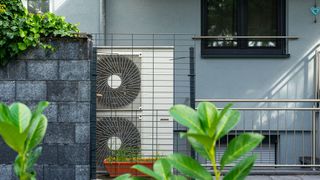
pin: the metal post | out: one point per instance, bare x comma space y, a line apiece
192, 86
314, 113
93, 115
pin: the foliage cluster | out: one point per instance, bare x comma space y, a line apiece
20, 29
205, 127
23, 130
130, 155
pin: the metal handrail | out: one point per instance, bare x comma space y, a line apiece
258, 100
245, 37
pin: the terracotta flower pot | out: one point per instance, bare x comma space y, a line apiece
118, 168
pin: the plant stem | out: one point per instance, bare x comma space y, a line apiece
23, 174
213, 162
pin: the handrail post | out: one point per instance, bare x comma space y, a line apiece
316, 104
192, 86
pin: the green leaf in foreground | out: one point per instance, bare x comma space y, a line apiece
162, 168
127, 177
146, 171
241, 170
37, 132
227, 122
208, 114
21, 116
189, 166
200, 143
186, 116
239, 146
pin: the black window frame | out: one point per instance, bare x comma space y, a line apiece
243, 50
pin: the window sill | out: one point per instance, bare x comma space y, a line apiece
207, 56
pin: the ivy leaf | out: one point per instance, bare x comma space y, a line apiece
22, 46
22, 33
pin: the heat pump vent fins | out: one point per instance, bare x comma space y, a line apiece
117, 136
118, 81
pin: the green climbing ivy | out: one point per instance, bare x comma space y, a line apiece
20, 30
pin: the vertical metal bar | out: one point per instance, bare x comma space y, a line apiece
153, 90
93, 115
192, 85
313, 138
316, 88
157, 133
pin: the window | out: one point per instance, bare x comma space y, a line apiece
37, 6
243, 18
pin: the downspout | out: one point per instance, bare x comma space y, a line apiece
103, 21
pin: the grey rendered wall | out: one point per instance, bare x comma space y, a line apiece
232, 78
63, 79
238, 77
84, 12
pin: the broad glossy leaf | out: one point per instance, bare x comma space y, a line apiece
17, 165
208, 115
204, 140
226, 123
239, 146
147, 171
36, 117
32, 158
199, 148
189, 166
186, 116
12, 137
4, 113
162, 168
21, 116
36, 133
241, 170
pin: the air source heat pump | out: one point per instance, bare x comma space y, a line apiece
135, 90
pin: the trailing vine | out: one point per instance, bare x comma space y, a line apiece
20, 30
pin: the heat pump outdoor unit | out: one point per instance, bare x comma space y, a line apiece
135, 90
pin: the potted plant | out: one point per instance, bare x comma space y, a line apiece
121, 161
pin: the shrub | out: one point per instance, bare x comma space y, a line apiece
205, 127
20, 29
23, 130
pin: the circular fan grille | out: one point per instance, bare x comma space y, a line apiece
125, 91
112, 128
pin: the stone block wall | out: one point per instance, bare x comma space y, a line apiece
61, 77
